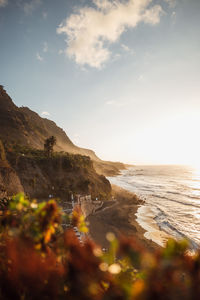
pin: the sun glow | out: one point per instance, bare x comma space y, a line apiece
196, 171
172, 141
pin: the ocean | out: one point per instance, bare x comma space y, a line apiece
172, 201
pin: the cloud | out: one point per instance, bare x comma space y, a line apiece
3, 3
45, 113
127, 49
39, 57
32, 5
91, 30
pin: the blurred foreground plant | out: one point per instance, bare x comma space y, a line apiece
39, 260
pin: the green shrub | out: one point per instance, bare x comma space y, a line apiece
39, 260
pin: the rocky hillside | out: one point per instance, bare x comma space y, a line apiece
24, 166
9, 181
25, 127
20, 125
29, 170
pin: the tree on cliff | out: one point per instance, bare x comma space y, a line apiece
48, 145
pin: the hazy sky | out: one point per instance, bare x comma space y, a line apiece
120, 77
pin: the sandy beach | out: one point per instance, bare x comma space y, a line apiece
118, 216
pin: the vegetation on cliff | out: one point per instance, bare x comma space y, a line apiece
48, 145
39, 260
59, 175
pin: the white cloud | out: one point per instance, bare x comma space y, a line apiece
30, 6
45, 113
45, 47
103, 4
90, 30
127, 49
3, 3
39, 57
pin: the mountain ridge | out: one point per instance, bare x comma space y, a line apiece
29, 129
23, 126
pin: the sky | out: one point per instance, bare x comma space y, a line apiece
120, 77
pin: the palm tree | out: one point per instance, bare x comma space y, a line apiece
48, 145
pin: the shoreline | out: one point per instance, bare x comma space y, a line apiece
156, 228
120, 217
145, 218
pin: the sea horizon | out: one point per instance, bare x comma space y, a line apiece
171, 197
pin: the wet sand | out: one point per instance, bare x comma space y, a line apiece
118, 216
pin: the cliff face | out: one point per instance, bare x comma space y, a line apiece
9, 181
22, 126
32, 172
108, 168
59, 176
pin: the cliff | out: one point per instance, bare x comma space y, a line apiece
58, 176
9, 181
20, 125
25, 127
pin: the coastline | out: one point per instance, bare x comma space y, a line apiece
120, 217
145, 219
169, 194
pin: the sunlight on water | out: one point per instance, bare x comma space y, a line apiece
196, 169
195, 184
172, 198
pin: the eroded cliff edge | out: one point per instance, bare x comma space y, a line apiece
29, 170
